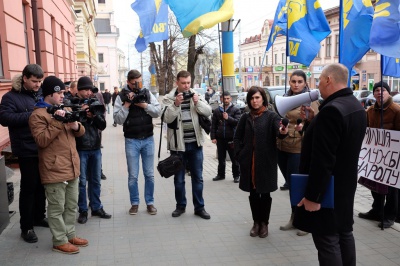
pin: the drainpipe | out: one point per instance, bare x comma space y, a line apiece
36, 32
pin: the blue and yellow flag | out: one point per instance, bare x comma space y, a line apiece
194, 16
153, 16
385, 31
354, 30
391, 66
280, 23
307, 27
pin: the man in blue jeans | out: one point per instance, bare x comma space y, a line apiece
88, 147
183, 107
134, 108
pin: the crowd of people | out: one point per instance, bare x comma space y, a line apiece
60, 155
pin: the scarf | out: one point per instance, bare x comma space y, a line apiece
254, 114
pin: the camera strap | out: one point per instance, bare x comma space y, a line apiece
175, 137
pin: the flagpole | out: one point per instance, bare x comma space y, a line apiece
287, 54
220, 62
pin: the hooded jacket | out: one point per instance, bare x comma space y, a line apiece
15, 108
58, 157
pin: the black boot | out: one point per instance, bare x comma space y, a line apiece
255, 229
254, 206
265, 204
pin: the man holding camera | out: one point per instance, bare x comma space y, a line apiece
15, 108
183, 108
134, 108
88, 147
58, 164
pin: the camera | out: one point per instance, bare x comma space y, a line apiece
77, 115
139, 95
187, 95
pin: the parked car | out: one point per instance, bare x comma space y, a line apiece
367, 101
273, 91
359, 94
396, 98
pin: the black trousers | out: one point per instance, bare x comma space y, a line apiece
224, 145
391, 204
336, 250
260, 204
32, 199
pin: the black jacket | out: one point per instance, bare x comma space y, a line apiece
106, 97
221, 128
331, 146
258, 136
91, 140
15, 109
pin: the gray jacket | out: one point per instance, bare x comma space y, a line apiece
172, 112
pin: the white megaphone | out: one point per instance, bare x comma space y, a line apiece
285, 104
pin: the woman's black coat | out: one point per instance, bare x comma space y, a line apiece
265, 130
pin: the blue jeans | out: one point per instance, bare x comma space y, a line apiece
193, 156
134, 148
90, 173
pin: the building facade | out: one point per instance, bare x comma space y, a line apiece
41, 32
263, 68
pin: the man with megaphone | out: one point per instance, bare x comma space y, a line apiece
289, 106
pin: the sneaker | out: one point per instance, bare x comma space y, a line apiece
151, 209
236, 179
101, 213
80, 242
114, 125
133, 210
203, 214
218, 178
29, 236
67, 248
82, 219
178, 212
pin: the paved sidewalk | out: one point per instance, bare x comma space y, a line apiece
144, 239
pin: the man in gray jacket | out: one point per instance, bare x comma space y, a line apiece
134, 108
183, 107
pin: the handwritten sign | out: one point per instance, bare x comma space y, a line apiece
379, 158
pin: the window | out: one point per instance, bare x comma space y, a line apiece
102, 1
1, 63
283, 58
259, 61
26, 32
337, 45
276, 59
328, 46
101, 58
254, 61
266, 59
102, 86
244, 62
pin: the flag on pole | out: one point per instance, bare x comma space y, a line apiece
385, 30
280, 23
194, 16
307, 27
153, 16
354, 30
391, 66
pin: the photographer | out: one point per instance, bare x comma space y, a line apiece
88, 147
58, 164
134, 108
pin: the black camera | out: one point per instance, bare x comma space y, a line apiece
139, 95
187, 95
76, 115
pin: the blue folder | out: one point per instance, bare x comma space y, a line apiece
298, 184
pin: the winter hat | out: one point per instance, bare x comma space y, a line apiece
52, 84
84, 83
381, 84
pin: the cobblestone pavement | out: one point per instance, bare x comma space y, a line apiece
160, 239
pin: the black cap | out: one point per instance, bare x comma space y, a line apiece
381, 84
84, 83
52, 84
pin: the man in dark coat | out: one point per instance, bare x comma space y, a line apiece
331, 147
223, 126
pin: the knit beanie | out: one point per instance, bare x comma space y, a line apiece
381, 84
52, 84
84, 83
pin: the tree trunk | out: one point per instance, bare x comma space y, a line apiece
192, 57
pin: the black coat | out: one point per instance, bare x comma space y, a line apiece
258, 136
15, 109
221, 128
331, 146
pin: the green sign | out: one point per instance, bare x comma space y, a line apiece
308, 74
279, 68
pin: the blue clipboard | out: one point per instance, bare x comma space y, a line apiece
298, 184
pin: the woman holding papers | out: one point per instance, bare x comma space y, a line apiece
290, 147
255, 150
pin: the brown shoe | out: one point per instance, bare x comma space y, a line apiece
255, 229
133, 210
151, 209
67, 248
80, 242
263, 230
